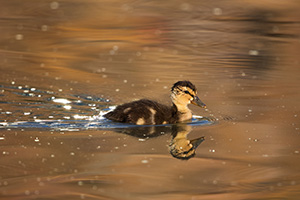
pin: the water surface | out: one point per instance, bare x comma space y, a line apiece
65, 62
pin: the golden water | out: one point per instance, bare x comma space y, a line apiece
243, 56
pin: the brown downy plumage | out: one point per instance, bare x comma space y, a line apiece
146, 111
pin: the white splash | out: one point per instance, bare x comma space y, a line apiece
62, 101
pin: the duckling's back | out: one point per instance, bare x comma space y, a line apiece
143, 112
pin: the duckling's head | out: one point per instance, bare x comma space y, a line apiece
184, 93
182, 148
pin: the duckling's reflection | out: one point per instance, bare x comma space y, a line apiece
180, 146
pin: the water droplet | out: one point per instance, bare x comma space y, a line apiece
19, 37
217, 11
253, 52
144, 161
67, 107
293, 182
62, 101
54, 5
115, 48
44, 28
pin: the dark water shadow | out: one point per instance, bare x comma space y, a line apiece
180, 146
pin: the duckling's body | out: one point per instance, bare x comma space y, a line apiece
146, 111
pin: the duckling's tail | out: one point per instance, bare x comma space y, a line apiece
116, 116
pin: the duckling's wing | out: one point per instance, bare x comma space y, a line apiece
140, 112
150, 112
119, 114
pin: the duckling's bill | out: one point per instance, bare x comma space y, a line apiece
196, 101
196, 142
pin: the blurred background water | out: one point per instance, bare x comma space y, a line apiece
63, 62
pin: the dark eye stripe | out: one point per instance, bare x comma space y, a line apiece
187, 92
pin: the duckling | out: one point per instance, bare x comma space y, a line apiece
148, 112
